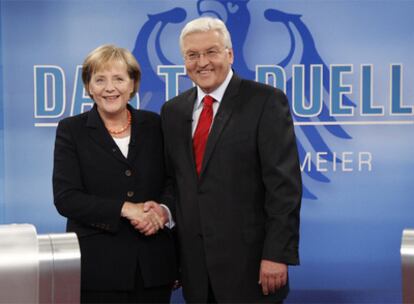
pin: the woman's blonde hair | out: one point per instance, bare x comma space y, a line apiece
103, 56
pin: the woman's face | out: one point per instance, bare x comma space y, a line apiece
111, 88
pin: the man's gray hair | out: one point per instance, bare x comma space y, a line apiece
205, 24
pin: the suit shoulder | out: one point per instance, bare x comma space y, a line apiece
250, 85
262, 93
147, 114
74, 120
72, 125
148, 117
179, 98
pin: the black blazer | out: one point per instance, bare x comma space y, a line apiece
245, 205
92, 179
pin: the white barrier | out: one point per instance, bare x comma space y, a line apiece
38, 268
407, 264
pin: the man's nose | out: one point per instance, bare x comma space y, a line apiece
203, 60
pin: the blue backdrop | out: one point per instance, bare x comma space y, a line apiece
347, 67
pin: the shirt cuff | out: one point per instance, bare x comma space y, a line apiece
170, 224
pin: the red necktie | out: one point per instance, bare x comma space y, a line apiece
202, 130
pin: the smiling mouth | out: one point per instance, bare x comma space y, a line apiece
111, 98
204, 72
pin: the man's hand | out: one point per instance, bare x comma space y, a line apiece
147, 223
272, 276
158, 209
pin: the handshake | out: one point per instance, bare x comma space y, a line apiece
146, 217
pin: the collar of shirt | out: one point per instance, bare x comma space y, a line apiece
217, 94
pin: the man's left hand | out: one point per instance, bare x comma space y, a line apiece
272, 276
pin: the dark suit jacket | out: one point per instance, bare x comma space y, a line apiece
91, 181
245, 205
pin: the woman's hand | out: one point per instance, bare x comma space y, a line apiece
147, 222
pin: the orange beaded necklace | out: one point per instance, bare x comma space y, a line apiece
116, 132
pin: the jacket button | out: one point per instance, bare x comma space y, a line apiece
128, 172
130, 193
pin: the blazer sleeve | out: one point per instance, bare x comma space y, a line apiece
168, 195
71, 198
282, 179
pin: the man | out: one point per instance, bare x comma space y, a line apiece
235, 176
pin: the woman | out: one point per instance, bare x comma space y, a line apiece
106, 163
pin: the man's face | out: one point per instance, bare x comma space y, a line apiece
207, 60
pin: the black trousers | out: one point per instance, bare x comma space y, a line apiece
160, 294
140, 294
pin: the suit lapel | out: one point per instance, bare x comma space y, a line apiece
223, 115
98, 133
188, 107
